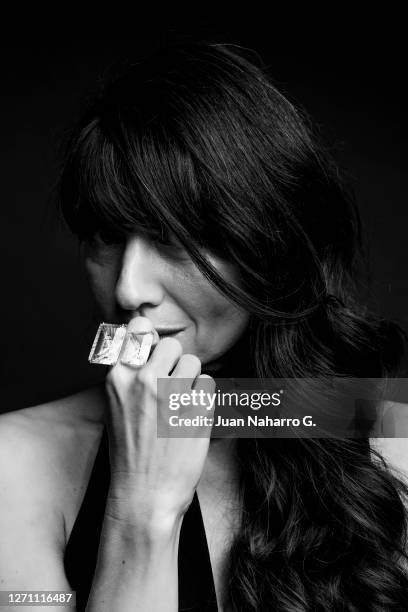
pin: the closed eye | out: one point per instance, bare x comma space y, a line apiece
107, 237
104, 245
106, 242
168, 239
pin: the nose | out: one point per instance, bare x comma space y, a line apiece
139, 281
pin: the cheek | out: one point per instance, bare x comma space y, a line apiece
102, 282
216, 304
210, 309
219, 327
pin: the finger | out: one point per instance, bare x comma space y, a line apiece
165, 356
141, 325
184, 374
186, 384
123, 372
206, 384
188, 366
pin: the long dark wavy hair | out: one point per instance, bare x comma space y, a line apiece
197, 142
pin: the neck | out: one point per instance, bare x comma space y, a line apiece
220, 471
234, 363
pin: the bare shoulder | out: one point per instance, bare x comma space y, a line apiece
46, 454
394, 445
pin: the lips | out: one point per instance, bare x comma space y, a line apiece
168, 331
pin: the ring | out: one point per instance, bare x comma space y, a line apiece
136, 348
112, 341
107, 344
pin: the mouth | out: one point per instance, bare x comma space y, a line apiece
167, 332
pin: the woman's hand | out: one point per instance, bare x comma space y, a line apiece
152, 479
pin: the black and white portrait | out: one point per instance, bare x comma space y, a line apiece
193, 207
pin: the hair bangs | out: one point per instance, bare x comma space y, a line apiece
119, 181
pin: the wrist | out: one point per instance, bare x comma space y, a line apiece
146, 516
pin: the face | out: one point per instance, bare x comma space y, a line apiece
162, 283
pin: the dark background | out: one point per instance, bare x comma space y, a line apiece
349, 77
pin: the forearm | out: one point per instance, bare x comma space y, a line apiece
152, 483
136, 568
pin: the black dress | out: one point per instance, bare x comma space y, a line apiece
196, 584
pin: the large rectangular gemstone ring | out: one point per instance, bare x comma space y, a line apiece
107, 344
136, 348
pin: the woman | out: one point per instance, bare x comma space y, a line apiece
210, 216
